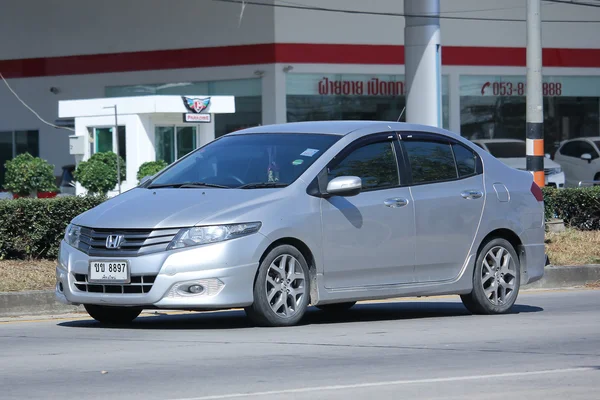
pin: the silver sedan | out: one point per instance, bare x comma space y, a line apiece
276, 218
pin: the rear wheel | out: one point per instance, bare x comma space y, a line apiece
338, 307
112, 314
496, 279
597, 178
281, 288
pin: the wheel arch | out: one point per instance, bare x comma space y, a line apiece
306, 253
514, 240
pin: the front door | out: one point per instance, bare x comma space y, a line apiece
448, 192
368, 239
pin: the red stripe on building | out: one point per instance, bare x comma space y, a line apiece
283, 53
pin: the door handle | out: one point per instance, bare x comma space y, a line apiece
471, 194
395, 202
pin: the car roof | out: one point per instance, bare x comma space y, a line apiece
498, 141
336, 127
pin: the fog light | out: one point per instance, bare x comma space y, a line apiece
195, 289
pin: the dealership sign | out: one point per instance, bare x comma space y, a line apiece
196, 106
510, 86
371, 87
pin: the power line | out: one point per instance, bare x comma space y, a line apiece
388, 14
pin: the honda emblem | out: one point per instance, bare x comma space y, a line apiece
114, 241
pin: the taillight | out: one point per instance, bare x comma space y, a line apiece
537, 192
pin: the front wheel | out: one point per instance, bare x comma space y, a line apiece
112, 314
281, 288
496, 279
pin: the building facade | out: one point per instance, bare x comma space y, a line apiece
287, 64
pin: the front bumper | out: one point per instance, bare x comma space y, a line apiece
556, 180
226, 270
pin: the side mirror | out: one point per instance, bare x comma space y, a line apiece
344, 186
587, 157
145, 179
548, 156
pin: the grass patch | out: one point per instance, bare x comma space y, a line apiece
573, 247
19, 275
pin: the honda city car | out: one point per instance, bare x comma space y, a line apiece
274, 219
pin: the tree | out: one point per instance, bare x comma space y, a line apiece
98, 175
150, 168
26, 175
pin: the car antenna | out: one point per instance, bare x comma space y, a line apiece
401, 113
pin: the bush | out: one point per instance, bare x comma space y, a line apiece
578, 207
98, 175
26, 175
33, 228
150, 168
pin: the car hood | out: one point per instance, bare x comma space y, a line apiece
521, 163
175, 208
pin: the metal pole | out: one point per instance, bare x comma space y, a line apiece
116, 143
422, 54
535, 101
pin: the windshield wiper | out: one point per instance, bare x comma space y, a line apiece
259, 185
187, 185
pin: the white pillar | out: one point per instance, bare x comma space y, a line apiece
422, 54
274, 110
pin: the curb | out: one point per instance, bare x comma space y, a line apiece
43, 302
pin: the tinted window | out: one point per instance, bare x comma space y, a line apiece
237, 160
507, 149
374, 163
466, 160
570, 149
430, 161
585, 147
597, 142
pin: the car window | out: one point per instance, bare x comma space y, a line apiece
507, 149
586, 147
571, 149
375, 164
597, 142
430, 161
466, 160
239, 160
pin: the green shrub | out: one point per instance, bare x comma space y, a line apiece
33, 228
26, 175
578, 207
98, 175
150, 168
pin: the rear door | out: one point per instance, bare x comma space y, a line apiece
446, 183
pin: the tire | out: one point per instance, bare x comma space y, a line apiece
337, 307
509, 278
273, 297
597, 178
112, 314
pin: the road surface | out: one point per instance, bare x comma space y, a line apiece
549, 348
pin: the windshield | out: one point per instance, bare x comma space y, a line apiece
597, 144
249, 161
507, 149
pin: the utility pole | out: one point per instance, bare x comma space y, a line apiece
535, 101
115, 137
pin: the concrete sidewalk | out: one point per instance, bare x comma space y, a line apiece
14, 304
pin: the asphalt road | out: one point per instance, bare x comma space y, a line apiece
549, 348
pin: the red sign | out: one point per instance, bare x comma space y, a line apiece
372, 87
507, 88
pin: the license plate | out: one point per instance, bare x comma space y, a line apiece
109, 272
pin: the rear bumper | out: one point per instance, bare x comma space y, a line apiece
535, 261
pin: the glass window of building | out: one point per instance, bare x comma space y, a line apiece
174, 142
312, 97
494, 107
13, 143
247, 92
103, 139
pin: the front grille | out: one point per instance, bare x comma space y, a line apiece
139, 285
136, 242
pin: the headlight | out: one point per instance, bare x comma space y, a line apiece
212, 234
72, 235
